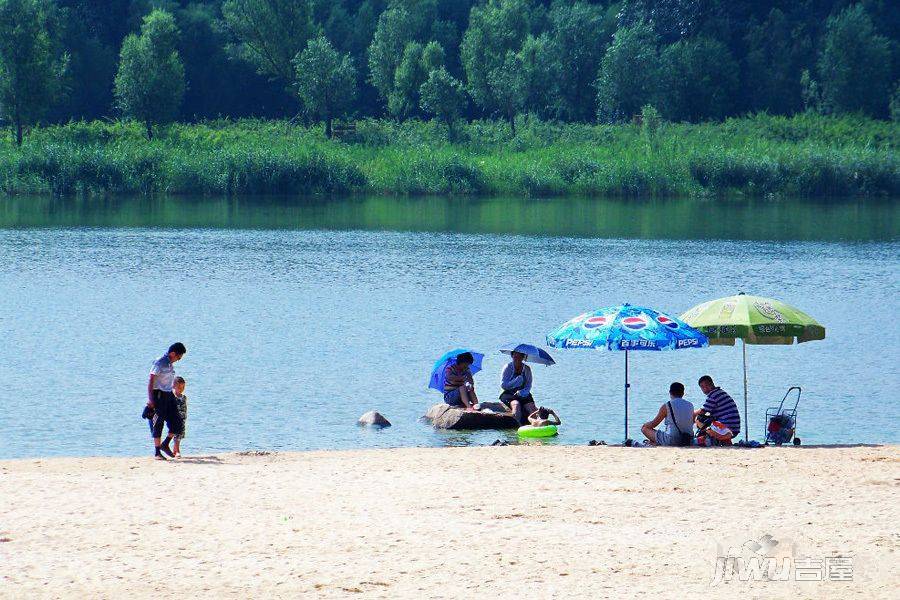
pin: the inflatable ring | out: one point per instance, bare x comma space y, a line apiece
529, 431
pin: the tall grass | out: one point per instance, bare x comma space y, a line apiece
805, 155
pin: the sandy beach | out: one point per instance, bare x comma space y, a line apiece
486, 522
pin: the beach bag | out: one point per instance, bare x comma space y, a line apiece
781, 429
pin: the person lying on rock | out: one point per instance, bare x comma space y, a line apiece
543, 417
516, 383
459, 385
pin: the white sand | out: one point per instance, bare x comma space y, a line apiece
505, 522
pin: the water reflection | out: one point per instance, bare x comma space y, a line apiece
755, 219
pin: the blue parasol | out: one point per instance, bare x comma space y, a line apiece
627, 328
436, 382
533, 354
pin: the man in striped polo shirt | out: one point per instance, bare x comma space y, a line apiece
722, 407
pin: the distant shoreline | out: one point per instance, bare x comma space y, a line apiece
807, 155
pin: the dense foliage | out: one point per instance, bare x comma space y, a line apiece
150, 82
565, 60
31, 61
805, 155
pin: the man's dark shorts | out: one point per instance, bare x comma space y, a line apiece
166, 414
453, 398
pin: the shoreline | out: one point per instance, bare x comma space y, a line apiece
553, 521
325, 451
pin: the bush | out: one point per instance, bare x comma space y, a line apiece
573, 169
536, 181
720, 172
260, 172
442, 175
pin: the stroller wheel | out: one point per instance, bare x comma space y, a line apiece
796, 441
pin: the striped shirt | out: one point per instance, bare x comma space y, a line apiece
456, 376
723, 409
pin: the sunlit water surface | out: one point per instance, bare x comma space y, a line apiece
301, 315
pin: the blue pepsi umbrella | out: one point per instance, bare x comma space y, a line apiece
627, 328
533, 354
436, 382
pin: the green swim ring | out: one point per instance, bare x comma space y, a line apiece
529, 431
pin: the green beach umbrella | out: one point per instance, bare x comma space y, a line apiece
754, 320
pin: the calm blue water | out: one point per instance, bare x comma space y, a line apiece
299, 318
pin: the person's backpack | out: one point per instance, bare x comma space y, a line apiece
683, 439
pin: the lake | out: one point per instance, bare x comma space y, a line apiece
300, 315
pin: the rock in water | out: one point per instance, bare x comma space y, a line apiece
493, 416
373, 419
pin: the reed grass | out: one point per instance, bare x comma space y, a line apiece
805, 155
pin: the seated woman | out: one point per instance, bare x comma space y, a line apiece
542, 417
516, 384
459, 385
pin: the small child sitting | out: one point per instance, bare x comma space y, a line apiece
542, 417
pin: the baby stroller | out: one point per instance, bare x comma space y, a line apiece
781, 423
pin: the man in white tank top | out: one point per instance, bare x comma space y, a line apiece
678, 414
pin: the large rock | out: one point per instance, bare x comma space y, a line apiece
373, 419
444, 416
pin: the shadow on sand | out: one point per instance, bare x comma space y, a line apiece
201, 460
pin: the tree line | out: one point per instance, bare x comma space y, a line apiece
158, 61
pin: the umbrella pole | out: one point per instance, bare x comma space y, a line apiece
746, 422
627, 385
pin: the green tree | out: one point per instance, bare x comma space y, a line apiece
509, 87
87, 82
541, 76
388, 48
541, 73
855, 65
579, 34
433, 56
404, 22
270, 33
671, 20
326, 81
651, 123
443, 96
895, 104
628, 73
403, 99
31, 61
810, 92
411, 73
495, 29
699, 80
149, 86
777, 50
